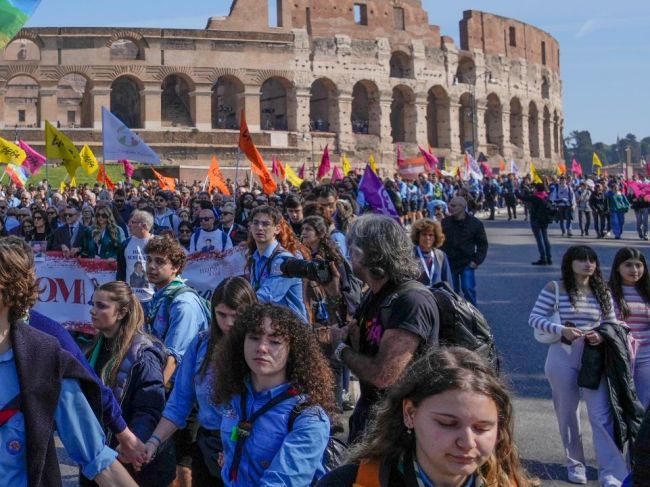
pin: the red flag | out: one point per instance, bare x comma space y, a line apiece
576, 168
487, 170
399, 155
103, 178
257, 163
274, 167
301, 171
430, 159
337, 175
128, 168
325, 164
647, 168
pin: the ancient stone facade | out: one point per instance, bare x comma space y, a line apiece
359, 75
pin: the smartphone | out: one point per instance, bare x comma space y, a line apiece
568, 324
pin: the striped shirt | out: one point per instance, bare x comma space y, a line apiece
586, 314
638, 320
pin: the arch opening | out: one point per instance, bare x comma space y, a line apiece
438, 127
274, 104
402, 115
227, 103
323, 106
126, 103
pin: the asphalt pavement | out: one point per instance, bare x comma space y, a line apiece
508, 286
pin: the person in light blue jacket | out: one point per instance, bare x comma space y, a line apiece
275, 391
194, 385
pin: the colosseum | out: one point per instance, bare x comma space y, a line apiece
359, 75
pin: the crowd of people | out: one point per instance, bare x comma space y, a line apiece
250, 387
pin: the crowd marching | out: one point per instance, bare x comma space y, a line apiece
251, 387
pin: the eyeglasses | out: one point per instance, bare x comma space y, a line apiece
257, 223
136, 222
160, 200
102, 215
51, 213
118, 201
227, 213
38, 218
206, 218
70, 215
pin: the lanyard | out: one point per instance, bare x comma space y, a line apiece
260, 273
224, 238
428, 269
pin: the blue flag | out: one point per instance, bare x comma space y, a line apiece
120, 143
376, 195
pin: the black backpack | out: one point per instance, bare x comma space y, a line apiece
461, 324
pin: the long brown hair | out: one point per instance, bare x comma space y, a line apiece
307, 369
441, 370
131, 325
237, 294
18, 287
111, 226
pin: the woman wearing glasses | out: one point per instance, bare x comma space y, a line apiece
104, 238
41, 226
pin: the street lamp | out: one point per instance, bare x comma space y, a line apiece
458, 78
306, 137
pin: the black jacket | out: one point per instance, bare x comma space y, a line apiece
465, 241
538, 208
641, 454
613, 359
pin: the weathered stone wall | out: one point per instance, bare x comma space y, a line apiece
318, 78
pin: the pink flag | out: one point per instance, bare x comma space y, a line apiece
275, 169
431, 161
400, 160
576, 168
301, 171
34, 160
487, 170
128, 167
325, 166
337, 175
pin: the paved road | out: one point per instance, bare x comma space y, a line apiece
507, 288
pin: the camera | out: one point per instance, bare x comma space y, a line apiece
317, 270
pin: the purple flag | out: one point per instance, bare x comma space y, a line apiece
34, 160
324, 167
431, 161
376, 195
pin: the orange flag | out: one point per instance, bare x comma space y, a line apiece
103, 178
502, 166
166, 184
257, 163
216, 178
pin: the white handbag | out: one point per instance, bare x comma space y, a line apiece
543, 336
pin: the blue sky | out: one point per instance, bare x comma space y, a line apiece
605, 45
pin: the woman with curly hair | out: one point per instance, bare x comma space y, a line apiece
427, 237
104, 238
447, 421
275, 388
629, 283
583, 302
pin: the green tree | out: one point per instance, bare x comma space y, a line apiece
580, 147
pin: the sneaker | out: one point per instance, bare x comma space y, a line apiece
539, 262
549, 262
577, 474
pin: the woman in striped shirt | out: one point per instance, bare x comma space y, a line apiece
629, 283
584, 302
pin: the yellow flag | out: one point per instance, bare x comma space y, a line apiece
596, 160
62, 186
88, 160
373, 164
292, 177
59, 146
10, 153
347, 167
534, 175
73, 182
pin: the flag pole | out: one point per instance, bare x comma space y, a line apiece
237, 174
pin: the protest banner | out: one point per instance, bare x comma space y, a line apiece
67, 285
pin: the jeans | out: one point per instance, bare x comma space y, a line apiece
618, 220
584, 215
642, 221
541, 237
600, 221
464, 280
565, 215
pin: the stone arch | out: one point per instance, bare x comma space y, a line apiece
494, 122
533, 129
547, 133
323, 106
546, 88
74, 101
466, 71
466, 122
227, 102
402, 115
21, 107
438, 126
366, 112
126, 102
274, 104
175, 102
401, 65
516, 123
22, 49
126, 49
556, 133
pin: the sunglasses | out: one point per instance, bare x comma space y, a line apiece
206, 218
38, 218
102, 215
70, 215
185, 231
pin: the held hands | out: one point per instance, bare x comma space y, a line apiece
150, 449
593, 338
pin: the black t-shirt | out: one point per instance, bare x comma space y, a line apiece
405, 307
